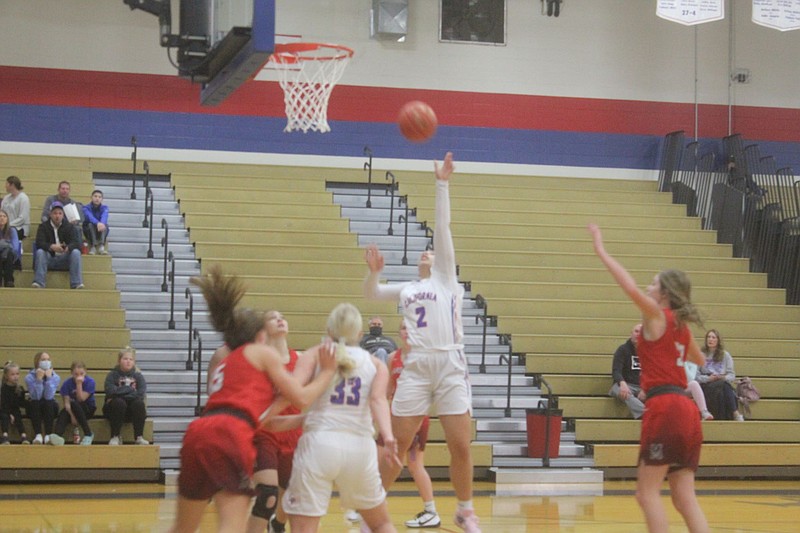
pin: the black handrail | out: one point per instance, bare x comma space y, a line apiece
198, 409
481, 303
368, 167
507, 359
150, 254
148, 195
189, 315
404, 218
165, 245
391, 205
552, 403
171, 324
133, 158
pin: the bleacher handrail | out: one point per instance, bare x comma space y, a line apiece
368, 168
165, 245
133, 174
189, 315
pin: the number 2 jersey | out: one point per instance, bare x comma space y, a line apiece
345, 405
662, 359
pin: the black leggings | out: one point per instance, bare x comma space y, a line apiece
5, 420
82, 411
42, 413
120, 410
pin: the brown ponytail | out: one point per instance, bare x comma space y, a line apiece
223, 294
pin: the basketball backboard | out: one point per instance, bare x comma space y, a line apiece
221, 43
243, 38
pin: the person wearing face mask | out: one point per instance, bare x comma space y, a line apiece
375, 342
42, 382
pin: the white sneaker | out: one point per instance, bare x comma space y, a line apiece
47, 439
467, 520
55, 440
141, 441
102, 250
705, 415
424, 519
739, 418
38, 439
114, 441
352, 516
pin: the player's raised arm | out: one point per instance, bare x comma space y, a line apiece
445, 263
373, 289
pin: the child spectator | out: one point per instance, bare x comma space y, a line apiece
12, 400
42, 382
125, 395
95, 223
9, 250
79, 405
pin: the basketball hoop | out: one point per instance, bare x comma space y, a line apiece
307, 73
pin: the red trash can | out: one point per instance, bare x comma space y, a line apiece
544, 431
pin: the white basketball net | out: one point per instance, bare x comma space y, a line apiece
307, 74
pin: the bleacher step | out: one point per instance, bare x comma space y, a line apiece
547, 481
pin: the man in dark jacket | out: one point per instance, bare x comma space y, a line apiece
625, 372
375, 342
57, 248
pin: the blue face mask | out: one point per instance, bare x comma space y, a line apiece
46, 364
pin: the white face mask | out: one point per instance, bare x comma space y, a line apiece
46, 364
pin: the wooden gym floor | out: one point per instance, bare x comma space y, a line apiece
731, 507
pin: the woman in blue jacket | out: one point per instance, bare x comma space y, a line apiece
42, 382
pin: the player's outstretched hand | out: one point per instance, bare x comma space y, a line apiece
447, 168
374, 258
327, 355
390, 454
597, 238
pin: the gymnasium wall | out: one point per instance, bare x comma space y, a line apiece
594, 90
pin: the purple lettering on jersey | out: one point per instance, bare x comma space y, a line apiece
416, 297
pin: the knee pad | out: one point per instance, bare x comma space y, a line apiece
266, 501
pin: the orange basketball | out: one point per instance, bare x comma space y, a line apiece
417, 121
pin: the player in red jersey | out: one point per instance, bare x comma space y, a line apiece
428, 517
671, 434
274, 450
218, 454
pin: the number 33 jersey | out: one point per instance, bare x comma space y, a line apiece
345, 405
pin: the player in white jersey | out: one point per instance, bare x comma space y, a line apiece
435, 379
337, 445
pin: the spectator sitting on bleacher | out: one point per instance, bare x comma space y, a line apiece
375, 342
79, 405
42, 382
12, 400
95, 223
18, 206
625, 372
694, 388
716, 378
58, 248
126, 389
76, 218
9, 250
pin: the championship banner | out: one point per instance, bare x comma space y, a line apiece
782, 15
691, 12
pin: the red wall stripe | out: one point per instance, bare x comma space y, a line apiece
147, 92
